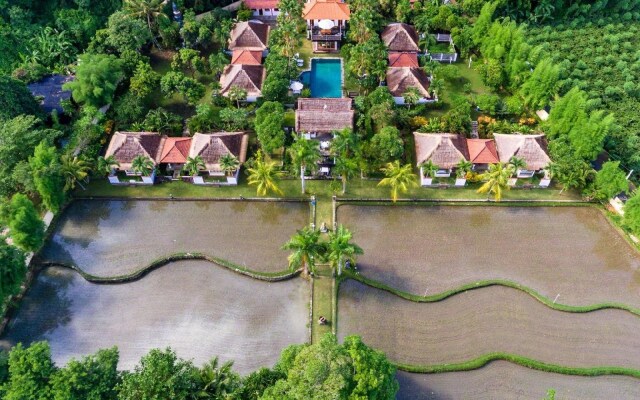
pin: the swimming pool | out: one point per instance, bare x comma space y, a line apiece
324, 78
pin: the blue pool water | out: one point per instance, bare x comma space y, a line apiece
325, 77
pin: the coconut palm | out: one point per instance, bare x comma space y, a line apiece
217, 62
74, 170
265, 175
237, 94
306, 249
411, 96
346, 168
149, 10
517, 163
497, 180
217, 382
142, 165
304, 154
429, 169
194, 165
345, 142
436, 86
463, 167
106, 165
398, 177
229, 164
340, 248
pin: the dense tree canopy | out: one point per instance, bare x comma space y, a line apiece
16, 99
97, 77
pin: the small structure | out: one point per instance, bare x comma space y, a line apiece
246, 57
263, 10
175, 151
212, 146
326, 23
126, 146
400, 37
403, 60
51, 92
482, 152
323, 116
401, 79
247, 77
445, 150
251, 36
532, 149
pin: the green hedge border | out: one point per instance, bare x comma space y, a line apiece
484, 284
160, 262
527, 362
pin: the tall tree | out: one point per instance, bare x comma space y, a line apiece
496, 180
25, 226
269, 124
306, 250
48, 176
30, 371
631, 217
399, 178
149, 10
194, 165
97, 77
340, 248
346, 168
142, 165
264, 175
12, 270
218, 381
229, 164
74, 170
304, 154
610, 181
106, 165
92, 377
16, 99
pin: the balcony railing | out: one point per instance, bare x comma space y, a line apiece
326, 35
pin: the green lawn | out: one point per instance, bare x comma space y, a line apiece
322, 304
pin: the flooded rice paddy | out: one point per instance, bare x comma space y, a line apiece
108, 238
571, 254
502, 380
476, 322
199, 309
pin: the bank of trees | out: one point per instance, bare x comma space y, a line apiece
325, 370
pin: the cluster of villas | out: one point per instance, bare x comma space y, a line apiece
171, 154
446, 152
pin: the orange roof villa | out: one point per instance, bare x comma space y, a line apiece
326, 23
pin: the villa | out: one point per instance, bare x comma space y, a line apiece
251, 36
326, 23
245, 76
400, 37
532, 149
212, 146
444, 150
482, 152
175, 151
399, 79
263, 10
126, 146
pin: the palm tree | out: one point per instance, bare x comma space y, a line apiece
517, 163
306, 249
265, 175
345, 142
463, 167
304, 153
398, 177
411, 96
237, 94
142, 165
340, 247
436, 86
194, 165
217, 62
149, 10
74, 170
346, 168
497, 180
429, 169
229, 164
106, 165
218, 382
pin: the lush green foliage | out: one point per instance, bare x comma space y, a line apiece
48, 176
26, 228
12, 271
16, 99
269, 126
610, 181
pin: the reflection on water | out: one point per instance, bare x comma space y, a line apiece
115, 237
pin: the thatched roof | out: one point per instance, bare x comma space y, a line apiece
401, 79
445, 150
323, 115
212, 146
249, 35
175, 150
247, 77
482, 151
125, 146
400, 37
531, 148
326, 9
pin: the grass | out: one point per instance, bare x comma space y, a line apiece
483, 360
487, 283
322, 305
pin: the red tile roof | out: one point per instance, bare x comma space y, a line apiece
246, 57
175, 150
397, 59
326, 9
261, 4
482, 151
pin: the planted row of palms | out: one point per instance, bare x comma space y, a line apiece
307, 250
